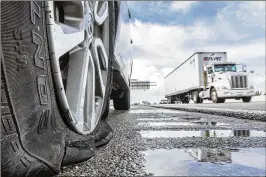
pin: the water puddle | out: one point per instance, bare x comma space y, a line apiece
187, 118
154, 124
211, 123
167, 123
190, 118
157, 119
202, 133
206, 162
154, 111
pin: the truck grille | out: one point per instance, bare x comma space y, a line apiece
239, 81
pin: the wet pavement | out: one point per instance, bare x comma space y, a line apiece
206, 162
202, 133
151, 141
252, 110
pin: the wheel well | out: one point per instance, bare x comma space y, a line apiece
119, 81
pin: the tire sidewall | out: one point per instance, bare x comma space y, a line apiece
246, 99
27, 74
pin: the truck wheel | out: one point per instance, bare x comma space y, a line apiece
37, 136
215, 98
185, 100
221, 100
197, 99
122, 103
246, 99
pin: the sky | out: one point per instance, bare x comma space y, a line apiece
165, 33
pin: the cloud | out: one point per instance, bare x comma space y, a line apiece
157, 43
252, 13
182, 6
159, 48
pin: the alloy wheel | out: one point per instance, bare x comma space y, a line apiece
78, 36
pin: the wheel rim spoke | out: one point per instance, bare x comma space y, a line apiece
59, 32
89, 105
100, 12
100, 60
76, 83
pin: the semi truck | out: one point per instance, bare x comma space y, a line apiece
208, 76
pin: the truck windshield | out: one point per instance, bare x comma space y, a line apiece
225, 68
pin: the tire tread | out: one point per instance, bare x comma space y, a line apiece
122, 103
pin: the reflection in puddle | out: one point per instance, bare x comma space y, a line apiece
154, 111
180, 123
212, 123
157, 119
163, 123
202, 133
206, 162
191, 118
169, 118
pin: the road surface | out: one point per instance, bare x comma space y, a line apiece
254, 110
163, 142
255, 104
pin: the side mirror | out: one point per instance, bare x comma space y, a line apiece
221, 72
244, 68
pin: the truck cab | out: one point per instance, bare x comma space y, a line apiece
227, 80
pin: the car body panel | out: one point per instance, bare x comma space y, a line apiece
123, 48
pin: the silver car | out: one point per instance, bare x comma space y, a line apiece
61, 63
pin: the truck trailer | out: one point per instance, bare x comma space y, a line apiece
208, 75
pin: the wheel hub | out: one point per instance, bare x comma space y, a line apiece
214, 96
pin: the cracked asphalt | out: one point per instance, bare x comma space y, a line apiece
162, 142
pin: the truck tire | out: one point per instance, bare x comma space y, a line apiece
122, 103
246, 99
215, 98
197, 99
36, 140
200, 100
185, 100
221, 100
